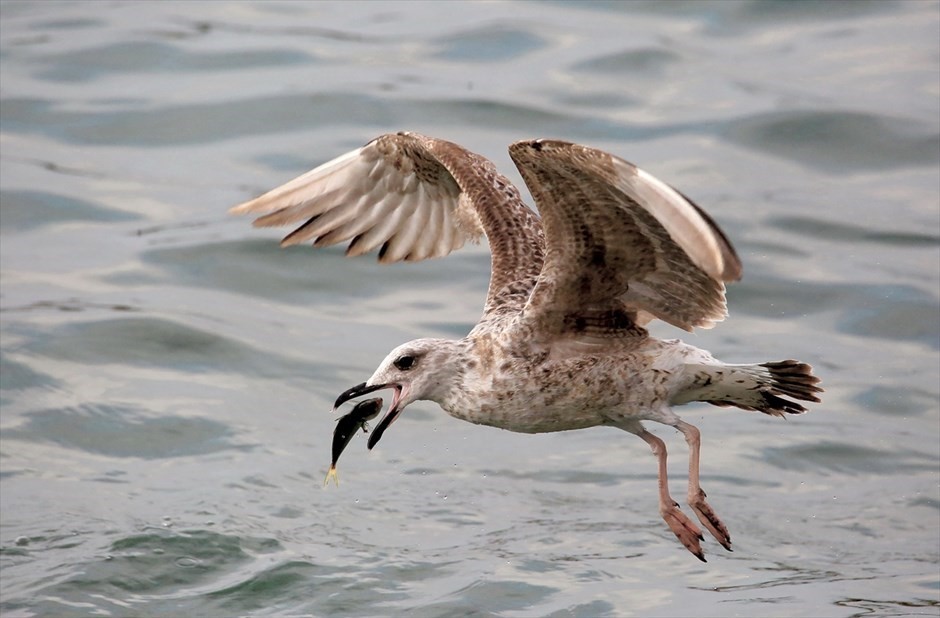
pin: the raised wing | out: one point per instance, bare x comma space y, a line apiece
412, 197
621, 246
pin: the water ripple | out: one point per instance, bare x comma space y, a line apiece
122, 431
839, 141
139, 57
27, 210
492, 43
651, 60
853, 233
853, 459
158, 342
178, 125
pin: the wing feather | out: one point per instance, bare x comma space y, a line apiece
621, 246
401, 244
412, 197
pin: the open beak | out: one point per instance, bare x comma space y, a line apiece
390, 416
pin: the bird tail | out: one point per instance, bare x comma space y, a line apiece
754, 387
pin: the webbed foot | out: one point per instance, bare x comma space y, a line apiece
711, 521
687, 532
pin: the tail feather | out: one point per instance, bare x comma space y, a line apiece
793, 379
754, 387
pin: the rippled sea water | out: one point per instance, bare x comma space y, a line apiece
167, 371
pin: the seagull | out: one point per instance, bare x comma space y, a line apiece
562, 343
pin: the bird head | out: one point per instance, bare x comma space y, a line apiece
419, 369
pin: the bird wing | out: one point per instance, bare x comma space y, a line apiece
412, 197
621, 246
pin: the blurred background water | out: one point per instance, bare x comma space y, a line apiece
167, 371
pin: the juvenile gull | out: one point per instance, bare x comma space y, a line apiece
561, 343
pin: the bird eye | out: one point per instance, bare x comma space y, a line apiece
404, 362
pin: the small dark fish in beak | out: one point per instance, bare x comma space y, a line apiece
393, 412
346, 428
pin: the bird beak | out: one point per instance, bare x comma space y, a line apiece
358, 391
393, 412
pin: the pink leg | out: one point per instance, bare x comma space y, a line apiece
696, 494
687, 532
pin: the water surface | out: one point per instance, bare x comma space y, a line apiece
166, 372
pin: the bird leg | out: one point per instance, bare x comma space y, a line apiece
696, 494
687, 532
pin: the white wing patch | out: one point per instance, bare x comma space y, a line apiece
675, 214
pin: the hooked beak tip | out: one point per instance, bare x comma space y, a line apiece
357, 391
